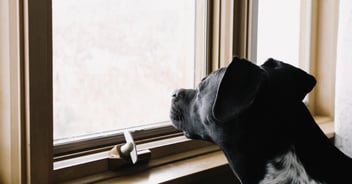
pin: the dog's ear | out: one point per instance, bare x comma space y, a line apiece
237, 89
289, 82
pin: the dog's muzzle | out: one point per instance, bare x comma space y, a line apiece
179, 104
175, 113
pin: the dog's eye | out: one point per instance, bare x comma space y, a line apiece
200, 86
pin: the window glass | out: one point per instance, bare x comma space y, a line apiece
116, 62
278, 31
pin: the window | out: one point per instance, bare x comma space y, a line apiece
175, 40
278, 31
301, 33
278, 34
116, 63
220, 19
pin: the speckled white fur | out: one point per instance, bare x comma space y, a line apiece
287, 169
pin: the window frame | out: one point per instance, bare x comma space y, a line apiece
38, 90
12, 129
38, 79
36, 95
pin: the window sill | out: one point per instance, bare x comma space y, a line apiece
167, 173
93, 167
181, 166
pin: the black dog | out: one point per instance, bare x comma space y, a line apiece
257, 117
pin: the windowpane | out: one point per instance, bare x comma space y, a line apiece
116, 62
278, 30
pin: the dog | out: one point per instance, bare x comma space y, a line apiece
256, 115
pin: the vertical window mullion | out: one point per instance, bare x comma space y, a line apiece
38, 69
228, 32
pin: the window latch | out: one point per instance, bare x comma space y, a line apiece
127, 150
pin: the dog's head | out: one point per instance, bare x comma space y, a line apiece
228, 94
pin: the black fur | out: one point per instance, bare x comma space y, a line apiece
256, 114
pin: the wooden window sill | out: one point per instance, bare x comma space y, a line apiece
183, 170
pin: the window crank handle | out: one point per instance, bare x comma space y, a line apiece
129, 148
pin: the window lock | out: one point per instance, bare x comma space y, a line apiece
119, 154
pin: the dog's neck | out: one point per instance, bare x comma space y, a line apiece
251, 144
242, 166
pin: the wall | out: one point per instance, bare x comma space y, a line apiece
343, 111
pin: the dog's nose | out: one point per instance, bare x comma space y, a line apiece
179, 93
174, 94
185, 94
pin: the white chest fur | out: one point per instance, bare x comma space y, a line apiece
287, 169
